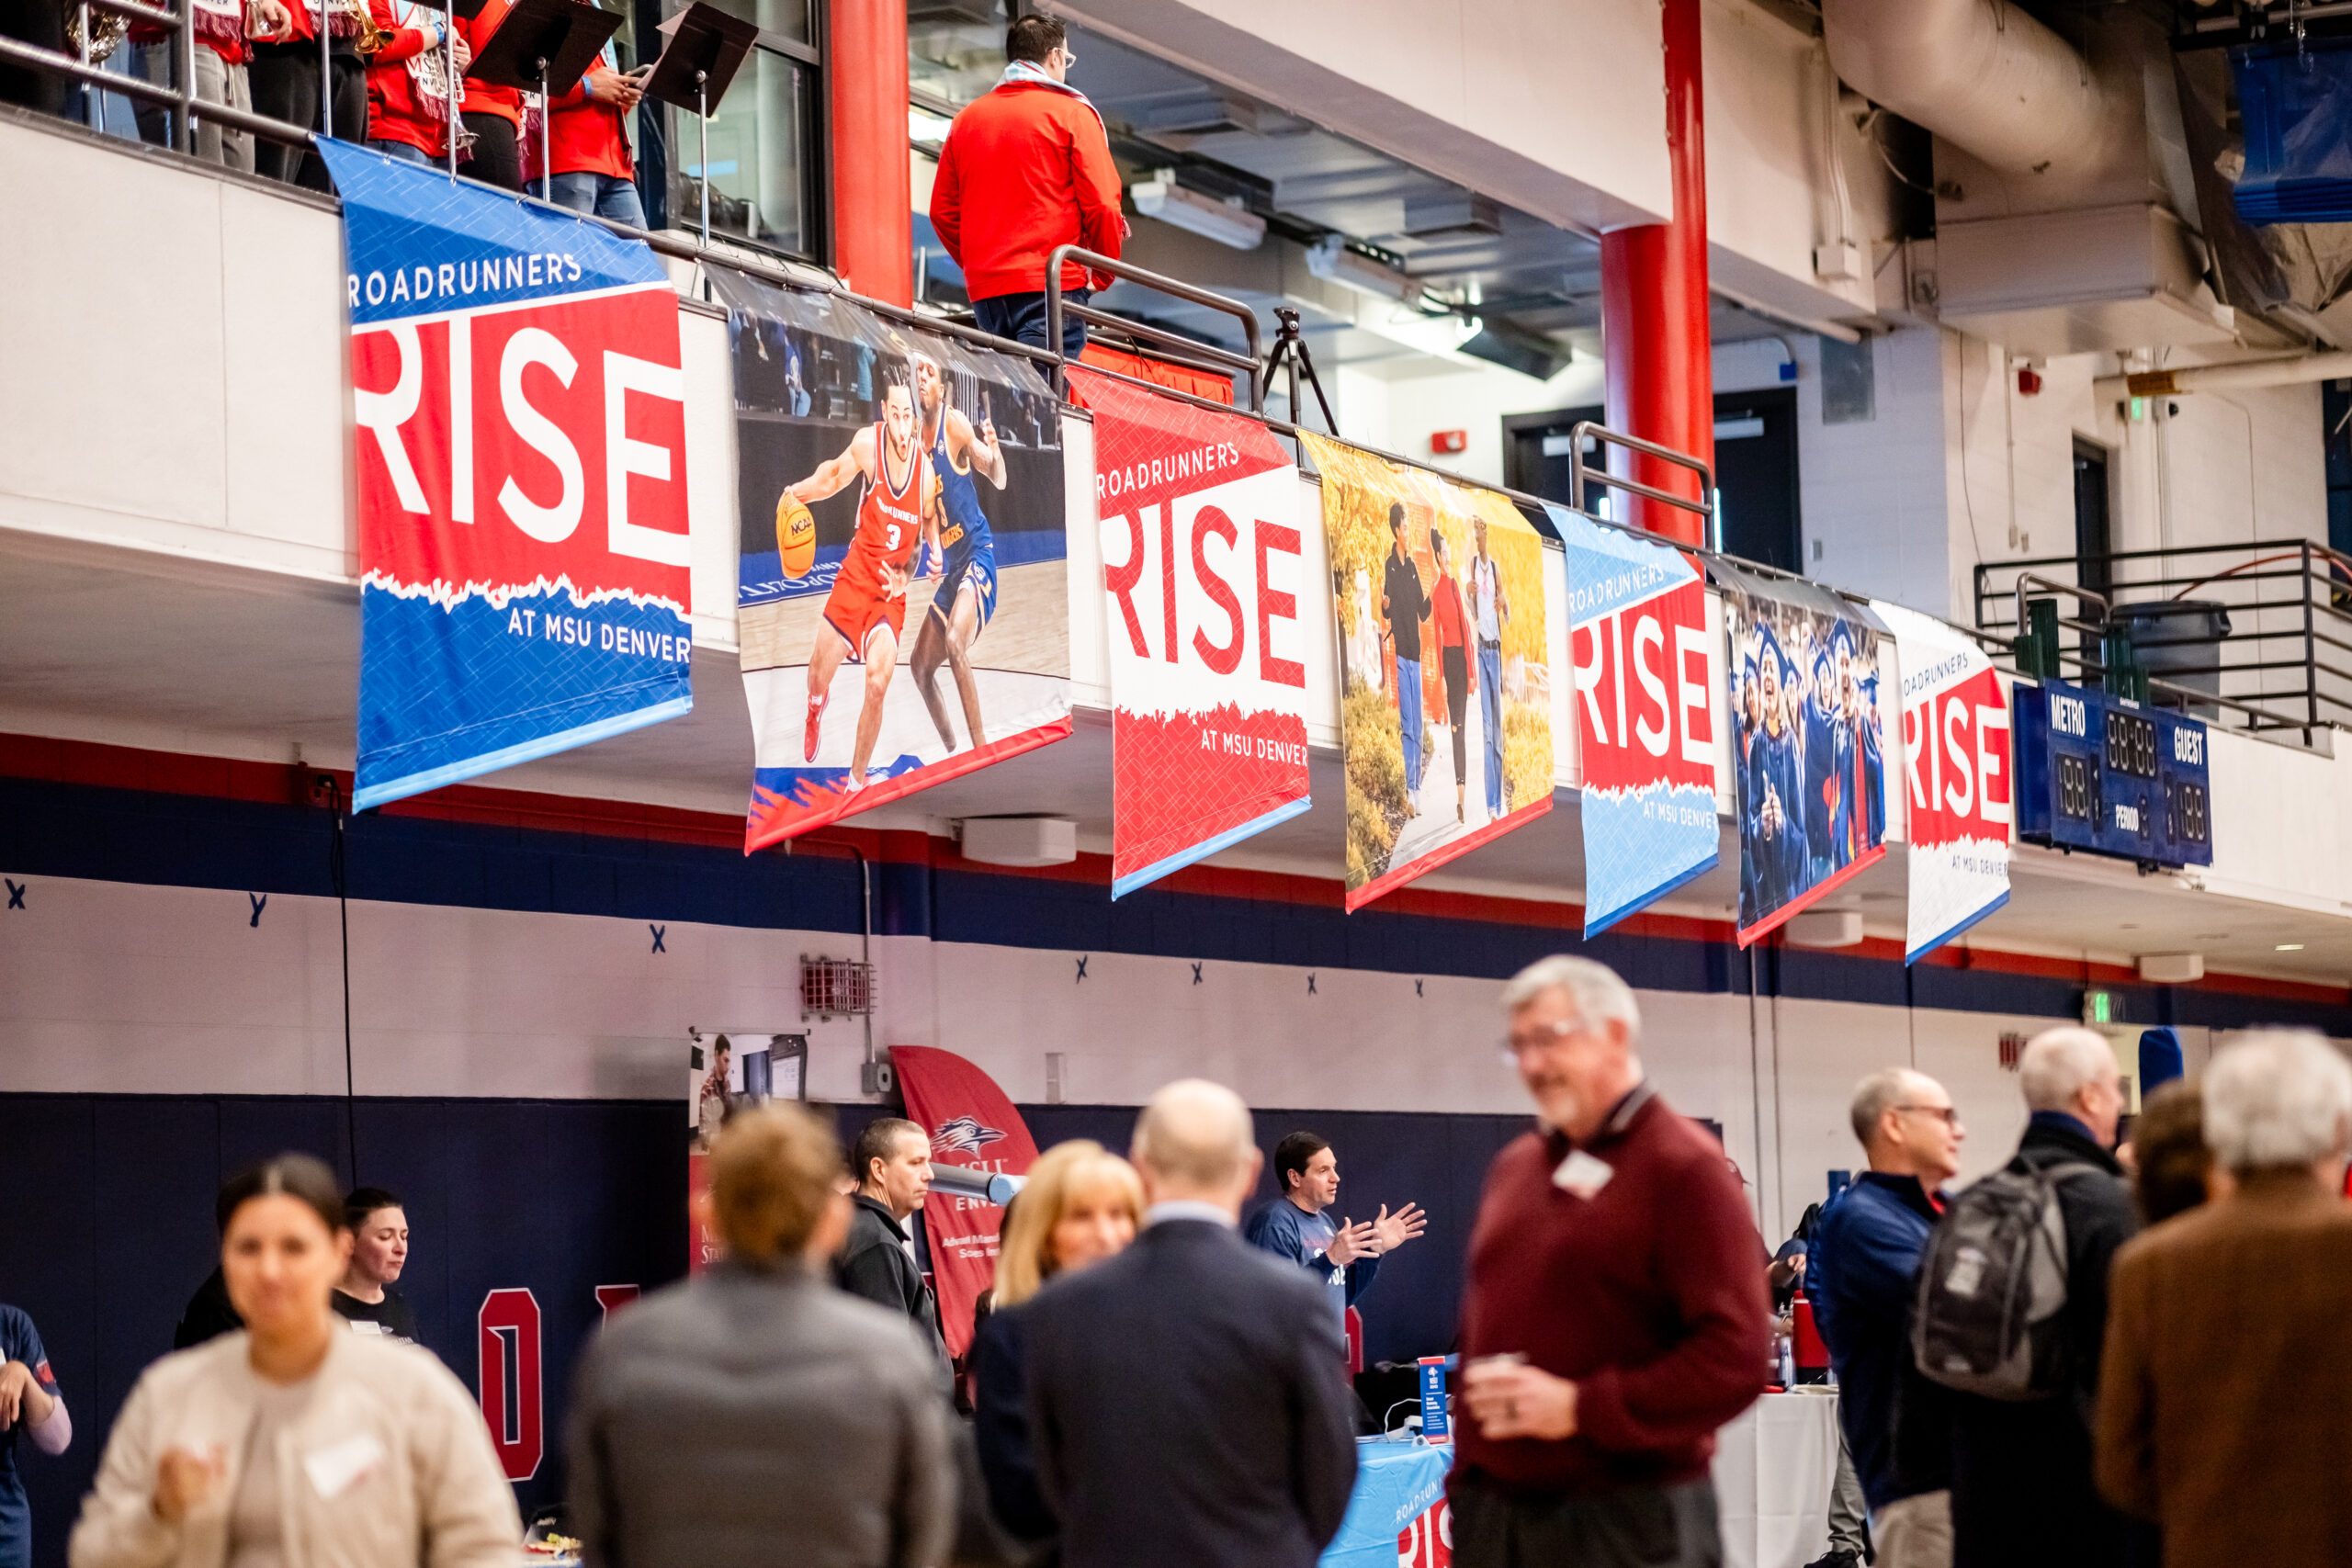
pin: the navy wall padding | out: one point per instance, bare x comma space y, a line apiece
111, 1228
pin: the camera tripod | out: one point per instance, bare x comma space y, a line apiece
1290, 354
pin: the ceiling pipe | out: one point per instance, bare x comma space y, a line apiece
2289, 371
1982, 74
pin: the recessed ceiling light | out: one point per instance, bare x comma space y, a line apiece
2288, 947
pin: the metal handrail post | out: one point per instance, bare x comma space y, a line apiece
326, 65
186, 72
2311, 651
449, 80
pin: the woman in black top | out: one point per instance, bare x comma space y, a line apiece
1080, 1204
379, 1252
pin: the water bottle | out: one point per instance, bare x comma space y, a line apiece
1788, 1365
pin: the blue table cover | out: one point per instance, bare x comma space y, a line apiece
1396, 1482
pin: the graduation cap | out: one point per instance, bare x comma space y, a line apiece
1784, 669
1841, 640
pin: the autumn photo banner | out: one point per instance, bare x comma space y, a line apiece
1446, 728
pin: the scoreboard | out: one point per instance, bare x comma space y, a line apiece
2107, 776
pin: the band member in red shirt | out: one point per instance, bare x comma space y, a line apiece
409, 108
588, 143
493, 115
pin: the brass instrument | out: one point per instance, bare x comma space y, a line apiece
107, 34
367, 38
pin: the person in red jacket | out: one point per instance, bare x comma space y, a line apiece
1027, 167
588, 143
492, 115
408, 95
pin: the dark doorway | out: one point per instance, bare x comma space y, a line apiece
1756, 469
2093, 538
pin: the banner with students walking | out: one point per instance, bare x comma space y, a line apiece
1445, 726
904, 602
1204, 579
1646, 683
521, 475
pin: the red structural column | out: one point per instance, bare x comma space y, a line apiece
1660, 375
866, 80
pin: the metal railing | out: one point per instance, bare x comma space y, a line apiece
1166, 344
1706, 505
187, 108
2256, 635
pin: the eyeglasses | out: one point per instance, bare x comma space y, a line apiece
1069, 59
1948, 1114
1537, 1038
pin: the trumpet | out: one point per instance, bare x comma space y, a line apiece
367, 38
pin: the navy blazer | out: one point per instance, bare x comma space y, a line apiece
1000, 1426
1189, 1406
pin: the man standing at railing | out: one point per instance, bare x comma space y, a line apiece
1025, 168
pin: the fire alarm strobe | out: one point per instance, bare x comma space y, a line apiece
1449, 443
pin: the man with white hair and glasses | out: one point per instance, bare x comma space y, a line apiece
2021, 1490
1614, 1313
2229, 1353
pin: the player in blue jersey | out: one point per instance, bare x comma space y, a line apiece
966, 595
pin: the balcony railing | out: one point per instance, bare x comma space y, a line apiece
2256, 636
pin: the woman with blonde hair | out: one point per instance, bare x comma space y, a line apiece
1081, 1204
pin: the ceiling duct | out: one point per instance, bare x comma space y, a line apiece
1982, 74
1442, 214
981, 11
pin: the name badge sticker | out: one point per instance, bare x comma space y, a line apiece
1582, 1175
336, 1469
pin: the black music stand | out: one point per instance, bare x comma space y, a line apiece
540, 44
706, 47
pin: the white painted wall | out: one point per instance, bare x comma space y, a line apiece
115, 987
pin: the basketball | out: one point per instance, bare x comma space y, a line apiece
796, 536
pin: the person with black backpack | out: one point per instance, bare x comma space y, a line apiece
2011, 1313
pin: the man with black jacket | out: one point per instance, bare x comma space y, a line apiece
892, 1164
1187, 1399
2023, 1495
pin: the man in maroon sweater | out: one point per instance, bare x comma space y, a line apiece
1614, 1316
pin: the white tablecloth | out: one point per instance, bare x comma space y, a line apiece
1773, 1471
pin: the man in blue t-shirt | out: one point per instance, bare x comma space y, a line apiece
29, 1406
1297, 1225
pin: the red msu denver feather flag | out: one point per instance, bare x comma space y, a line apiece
970, 1123
1203, 574
521, 479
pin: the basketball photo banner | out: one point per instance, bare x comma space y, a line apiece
521, 476
1956, 755
1445, 724
1809, 754
903, 604
1646, 687
1203, 580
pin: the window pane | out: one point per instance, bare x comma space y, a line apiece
955, 54
786, 19
758, 160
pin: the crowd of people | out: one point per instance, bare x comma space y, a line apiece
2092, 1356
386, 82
2108, 1353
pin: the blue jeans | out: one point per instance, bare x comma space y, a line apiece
403, 151
1022, 318
1490, 709
1409, 708
607, 196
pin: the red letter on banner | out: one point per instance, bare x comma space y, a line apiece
1123, 580
509, 1373
1207, 521
1274, 604
612, 1298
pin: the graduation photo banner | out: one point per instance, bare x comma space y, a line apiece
1808, 753
1647, 681
1446, 728
521, 476
1956, 756
1203, 578
903, 599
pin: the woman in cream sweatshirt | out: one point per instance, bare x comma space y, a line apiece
295, 1443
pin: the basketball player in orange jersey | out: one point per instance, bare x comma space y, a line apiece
866, 610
